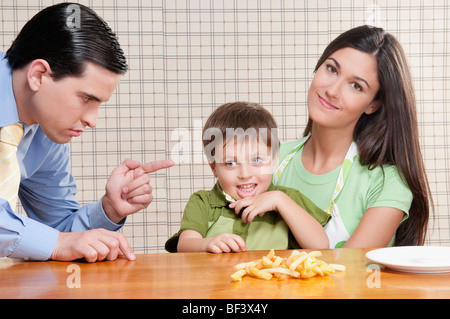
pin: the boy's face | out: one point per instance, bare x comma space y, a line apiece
243, 169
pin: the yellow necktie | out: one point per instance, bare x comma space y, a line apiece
10, 137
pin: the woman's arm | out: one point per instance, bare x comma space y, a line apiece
307, 231
376, 228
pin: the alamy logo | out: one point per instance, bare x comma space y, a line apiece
74, 279
74, 18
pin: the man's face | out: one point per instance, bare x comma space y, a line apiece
64, 108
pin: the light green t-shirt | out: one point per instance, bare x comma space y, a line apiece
363, 189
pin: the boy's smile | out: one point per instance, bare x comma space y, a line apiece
246, 190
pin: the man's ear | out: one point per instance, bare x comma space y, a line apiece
373, 107
37, 70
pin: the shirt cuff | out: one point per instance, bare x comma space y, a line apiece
99, 219
37, 241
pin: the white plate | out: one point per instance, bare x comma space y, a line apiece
420, 259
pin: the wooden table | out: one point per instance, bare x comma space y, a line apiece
207, 276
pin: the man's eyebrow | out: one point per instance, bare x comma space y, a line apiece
355, 77
93, 97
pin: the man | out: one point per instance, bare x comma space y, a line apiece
64, 63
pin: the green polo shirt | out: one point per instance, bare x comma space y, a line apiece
207, 213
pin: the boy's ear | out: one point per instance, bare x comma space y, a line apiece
37, 70
213, 168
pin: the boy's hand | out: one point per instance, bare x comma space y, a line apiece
225, 243
256, 206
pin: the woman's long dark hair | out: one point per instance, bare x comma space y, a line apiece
390, 135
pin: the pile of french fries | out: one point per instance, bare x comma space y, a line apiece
297, 265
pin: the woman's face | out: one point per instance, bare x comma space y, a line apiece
343, 88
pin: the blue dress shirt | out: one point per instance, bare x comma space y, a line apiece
47, 190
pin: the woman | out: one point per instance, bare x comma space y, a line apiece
360, 158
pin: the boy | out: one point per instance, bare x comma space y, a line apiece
244, 210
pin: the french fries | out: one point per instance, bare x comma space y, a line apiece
297, 265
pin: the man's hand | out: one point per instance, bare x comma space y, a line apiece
128, 189
92, 245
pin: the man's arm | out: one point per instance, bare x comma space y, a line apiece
48, 190
48, 194
23, 237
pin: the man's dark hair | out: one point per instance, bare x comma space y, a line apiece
67, 35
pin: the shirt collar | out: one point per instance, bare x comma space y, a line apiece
8, 102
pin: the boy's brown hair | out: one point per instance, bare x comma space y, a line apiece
239, 120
